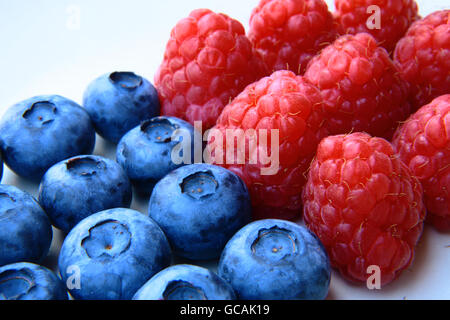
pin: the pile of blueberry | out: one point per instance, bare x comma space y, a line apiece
196, 211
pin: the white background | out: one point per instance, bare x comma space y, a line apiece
58, 47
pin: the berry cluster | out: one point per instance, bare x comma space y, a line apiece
358, 142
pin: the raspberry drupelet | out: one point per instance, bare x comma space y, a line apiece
364, 204
207, 62
289, 33
293, 107
394, 18
423, 58
361, 87
423, 143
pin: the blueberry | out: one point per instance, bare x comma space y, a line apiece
200, 207
275, 260
185, 282
25, 230
77, 187
39, 132
145, 152
118, 102
29, 281
1, 166
114, 252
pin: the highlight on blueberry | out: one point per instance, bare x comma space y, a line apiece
114, 252
275, 259
77, 187
145, 152
25, 230
29, 281
199, 207
117, 102
185, 282
43, 130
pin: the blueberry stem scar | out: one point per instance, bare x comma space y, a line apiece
42, 111
84, 166
204, 178
23, 275
2, 194
105, 236
277, 231
180, 286
127, 80
159, 128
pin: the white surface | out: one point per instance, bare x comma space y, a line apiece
47, 48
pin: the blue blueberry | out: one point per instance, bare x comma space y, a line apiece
29, 281
145, 152
114, 252
200, 207
77, 187
275, 260
118, 102
185, 282
39, 132
25, 230
1, 166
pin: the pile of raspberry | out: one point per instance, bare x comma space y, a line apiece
362, 116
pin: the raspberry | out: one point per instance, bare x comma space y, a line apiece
291, 105
364, 205
360, 86
288, 33
423, 58
395, 17
423, 143
207, 62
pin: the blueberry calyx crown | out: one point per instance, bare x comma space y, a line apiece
40, 113
199, 185
159, 129
108, 239
126, 79
85, 166
16, 283
275, 244
7, 203
183, 290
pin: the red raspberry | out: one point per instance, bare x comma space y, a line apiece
395, 17
364, 205
423, 58
207, 62
423, 143
291, 105
360, 86
289, 33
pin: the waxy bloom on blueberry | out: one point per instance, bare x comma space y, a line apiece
145, 152
115, 252
25, 230
199, 207
29, 281
185, 282
275, 259
77, 187
41, 131
118, 102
